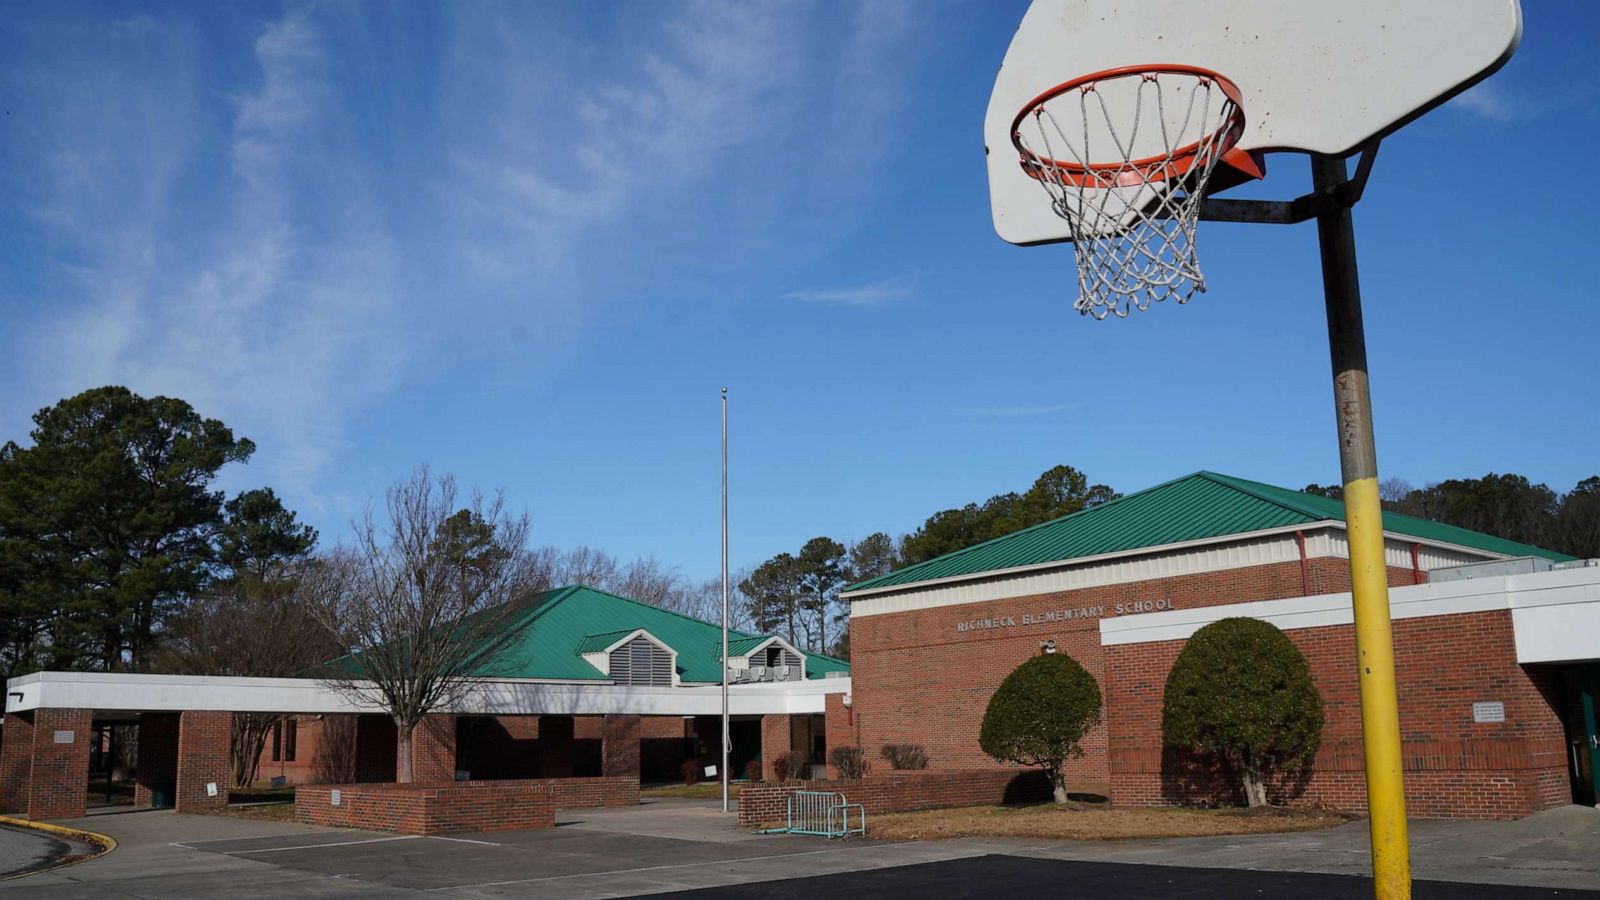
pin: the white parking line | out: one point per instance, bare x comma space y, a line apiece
457, 840
398, 837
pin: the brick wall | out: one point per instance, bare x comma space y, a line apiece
458, 806
158, 758
901, 792
433, 749
204, 740
16, 762
58, 780
776, 740
619, 747
938, 701
1454, 767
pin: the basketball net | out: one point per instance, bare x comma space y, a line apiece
1124, 157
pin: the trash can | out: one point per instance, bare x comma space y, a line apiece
162, 794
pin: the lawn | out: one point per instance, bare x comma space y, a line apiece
704, 790
1084, 822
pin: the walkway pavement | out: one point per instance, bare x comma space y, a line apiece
676, 845
22, 849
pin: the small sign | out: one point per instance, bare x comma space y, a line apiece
333, 796
211, 789
1493, 711
463, 775
711, 771
279, 781
63, 737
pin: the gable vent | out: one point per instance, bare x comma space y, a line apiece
640, 661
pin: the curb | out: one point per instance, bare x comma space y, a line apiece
106, 843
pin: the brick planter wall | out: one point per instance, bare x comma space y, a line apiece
901, 792
16, 762
58, 782
447, 807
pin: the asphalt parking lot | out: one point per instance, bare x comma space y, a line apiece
687, 848
22, 850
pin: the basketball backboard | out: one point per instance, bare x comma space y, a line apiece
1317, 76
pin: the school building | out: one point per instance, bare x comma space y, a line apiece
594, 695
1496, 644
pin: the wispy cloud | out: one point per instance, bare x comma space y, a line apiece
1488, 100
878, 293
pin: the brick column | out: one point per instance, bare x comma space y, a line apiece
839, 727
555, 746
16, 762
776, 739
433, 749
204, 739
58, 783
619, 747
158, 758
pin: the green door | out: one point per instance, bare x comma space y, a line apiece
1589, 688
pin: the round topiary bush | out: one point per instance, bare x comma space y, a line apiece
1242, 692
1040, 714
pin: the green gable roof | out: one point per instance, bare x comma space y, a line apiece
562, 624
1195, 507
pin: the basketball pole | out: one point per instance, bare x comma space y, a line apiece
1369, 571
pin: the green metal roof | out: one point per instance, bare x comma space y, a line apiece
742, 646
562, 624
1195, 507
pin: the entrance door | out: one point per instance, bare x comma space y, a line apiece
1586, 746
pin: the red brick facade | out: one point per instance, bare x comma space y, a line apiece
917, 679
619, 747
204, 762
444, 808
16, 762
58, 779
901, 792
776, 740
433, 749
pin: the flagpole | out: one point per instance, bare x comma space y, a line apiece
723, 767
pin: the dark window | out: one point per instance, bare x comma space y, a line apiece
290, 732
277, 741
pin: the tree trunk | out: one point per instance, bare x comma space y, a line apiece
1255, 789
250, 732
1058, 787
402, 758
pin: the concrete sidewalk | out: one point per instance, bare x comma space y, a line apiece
666, 845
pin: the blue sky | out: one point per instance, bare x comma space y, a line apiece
527, 244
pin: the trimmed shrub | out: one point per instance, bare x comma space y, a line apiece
1242, 692
690, 770
905, 756
851, 762
788, 766
752, 770
1040, 714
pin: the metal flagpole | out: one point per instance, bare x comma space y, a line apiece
723, 766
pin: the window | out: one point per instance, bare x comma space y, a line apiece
277, 741
641, 661
290, 732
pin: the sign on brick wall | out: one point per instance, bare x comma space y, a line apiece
1054, 616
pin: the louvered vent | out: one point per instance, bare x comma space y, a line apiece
640, 661
777, 657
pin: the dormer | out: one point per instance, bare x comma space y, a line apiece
768, 658
632, 657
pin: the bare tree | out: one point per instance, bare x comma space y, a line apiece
426, 600
258, 625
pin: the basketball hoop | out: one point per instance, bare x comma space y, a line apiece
1125, 156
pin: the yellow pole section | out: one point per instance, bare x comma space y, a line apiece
1380, 713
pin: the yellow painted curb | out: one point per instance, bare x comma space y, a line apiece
105, 842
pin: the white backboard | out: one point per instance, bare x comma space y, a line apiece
1319, 76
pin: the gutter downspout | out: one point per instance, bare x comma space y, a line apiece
1416, 564
1305, 565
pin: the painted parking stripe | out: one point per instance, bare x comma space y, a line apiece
457, 840
398, 837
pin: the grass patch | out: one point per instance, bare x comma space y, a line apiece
705, 790
1094, 822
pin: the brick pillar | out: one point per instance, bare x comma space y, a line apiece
433, 749
776, 739
158, 758
839, 728
619, 747
204, 739
555, 746
16, 762
58, 782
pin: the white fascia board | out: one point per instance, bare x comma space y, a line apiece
117, 692
1560, 588
1556, 615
